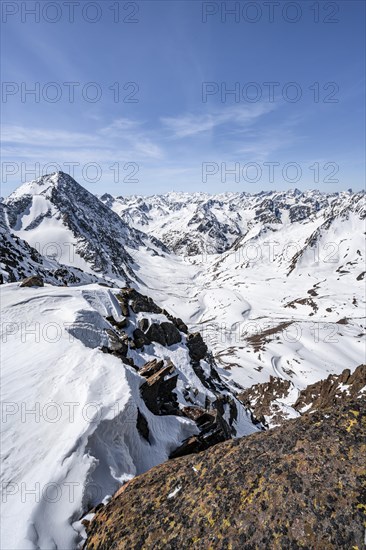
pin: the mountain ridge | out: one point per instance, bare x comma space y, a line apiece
248, 302
55, 209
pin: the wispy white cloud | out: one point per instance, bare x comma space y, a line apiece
190, 125
119, 126
122, 134
46, 137
260, 146
173, 149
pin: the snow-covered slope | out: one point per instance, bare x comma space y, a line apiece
287, 299
79, 417
274, 282
284, 297
19, 260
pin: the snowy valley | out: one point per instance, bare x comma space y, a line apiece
148, 320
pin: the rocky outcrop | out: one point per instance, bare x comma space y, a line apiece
151, 367
197, 347
177, 322
143, 324
171, 333
336, 387
140, 303
215, 412
298, 486
158, 393
140, 338
164, 333
142, 426
213, 427
271, 405
34, 280
262, 399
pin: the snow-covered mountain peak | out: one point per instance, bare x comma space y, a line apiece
55, 212
43, 185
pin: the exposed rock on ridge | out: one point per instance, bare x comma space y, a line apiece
298, 486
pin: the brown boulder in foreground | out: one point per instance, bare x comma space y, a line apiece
35, 280
296, 486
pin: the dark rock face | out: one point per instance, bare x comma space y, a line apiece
155, 333
213, 429
197, 347
35, 280
144, 324
141, 303
297, 486
177, 322
171, 333
157, 391
140, 338
164, 333
117, 342
142, 425
123, 302
117, 324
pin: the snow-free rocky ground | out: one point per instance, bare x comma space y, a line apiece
274, 282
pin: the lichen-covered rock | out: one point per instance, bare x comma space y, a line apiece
301, 485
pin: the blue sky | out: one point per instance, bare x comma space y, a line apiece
296, 118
